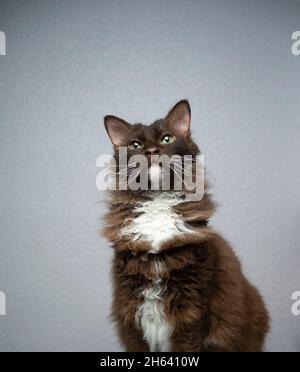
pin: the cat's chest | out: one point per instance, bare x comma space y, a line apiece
156, 221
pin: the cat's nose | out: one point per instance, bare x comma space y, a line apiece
152, 151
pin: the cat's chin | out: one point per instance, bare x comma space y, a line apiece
155, 176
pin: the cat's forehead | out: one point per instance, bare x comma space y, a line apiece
149, 131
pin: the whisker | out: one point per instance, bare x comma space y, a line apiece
183, 170
178, 176
134, 177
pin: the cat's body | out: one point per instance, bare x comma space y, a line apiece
178, 286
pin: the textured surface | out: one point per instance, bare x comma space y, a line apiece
68, 64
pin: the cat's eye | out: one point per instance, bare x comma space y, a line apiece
167, 139
135, 145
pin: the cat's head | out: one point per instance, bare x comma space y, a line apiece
167, 137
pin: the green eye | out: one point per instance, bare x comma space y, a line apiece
135, 145
167, 139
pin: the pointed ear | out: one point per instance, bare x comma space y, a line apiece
179, 118
117, 129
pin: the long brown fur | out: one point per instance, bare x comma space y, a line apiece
208, 300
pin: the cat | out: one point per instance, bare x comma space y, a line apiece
177, 284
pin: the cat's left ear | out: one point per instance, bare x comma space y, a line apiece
179, 118
117, 129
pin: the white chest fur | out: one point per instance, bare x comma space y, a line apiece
157, 222
150, 317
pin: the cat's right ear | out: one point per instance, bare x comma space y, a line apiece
117, 129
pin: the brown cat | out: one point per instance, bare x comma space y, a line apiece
178, 286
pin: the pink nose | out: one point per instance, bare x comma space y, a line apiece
152, 151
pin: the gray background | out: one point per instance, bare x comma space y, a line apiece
68, 64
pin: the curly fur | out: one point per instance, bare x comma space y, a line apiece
178, 286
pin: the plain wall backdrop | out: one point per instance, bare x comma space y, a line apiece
68, 64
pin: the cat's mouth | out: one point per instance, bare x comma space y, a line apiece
158, 176
155, 173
